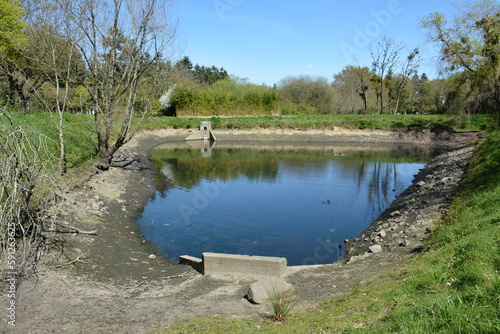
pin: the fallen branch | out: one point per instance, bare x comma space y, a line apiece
78, 259
136, 286
74, 229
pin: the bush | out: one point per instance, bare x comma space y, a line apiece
229, 97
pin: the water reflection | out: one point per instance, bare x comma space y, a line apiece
297, 200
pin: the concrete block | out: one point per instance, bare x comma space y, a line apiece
215, 263
192, 261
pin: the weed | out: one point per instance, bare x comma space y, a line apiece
282, 301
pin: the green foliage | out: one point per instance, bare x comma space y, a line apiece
304, 92
209, 75
224, 97
470, 49
289, 108
363, 124
11, 36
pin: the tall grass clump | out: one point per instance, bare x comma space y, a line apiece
282, 301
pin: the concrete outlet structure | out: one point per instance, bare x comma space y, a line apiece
216, 263
205, 133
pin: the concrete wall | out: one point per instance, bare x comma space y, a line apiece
215, 263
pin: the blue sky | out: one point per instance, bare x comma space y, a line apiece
265, 41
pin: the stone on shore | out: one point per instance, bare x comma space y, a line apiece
260, 292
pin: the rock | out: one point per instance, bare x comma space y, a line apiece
358, 257
260, 291
382, 234
375, 249
421, 184
395, 213
152, 257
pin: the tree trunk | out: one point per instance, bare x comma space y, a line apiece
497, 101
397, 105
61, 165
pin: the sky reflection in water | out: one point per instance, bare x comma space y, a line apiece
298, 201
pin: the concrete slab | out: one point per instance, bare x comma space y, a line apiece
216, 263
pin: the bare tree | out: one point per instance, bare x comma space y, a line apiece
384, 59
120, 41
57, 58
408, 68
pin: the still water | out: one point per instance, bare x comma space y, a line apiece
298, 201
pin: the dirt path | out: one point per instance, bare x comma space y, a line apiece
114, 286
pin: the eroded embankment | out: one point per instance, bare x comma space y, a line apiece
405, 225
84, 296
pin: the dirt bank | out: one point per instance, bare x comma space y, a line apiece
109, 283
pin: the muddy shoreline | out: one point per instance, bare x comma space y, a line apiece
117, 286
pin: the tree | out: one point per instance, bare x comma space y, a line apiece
11, 36
209, 75
57, 58
470, 48
200, 73
120, 41
307, 92
384, 59
408, 69
351, 85
185, 64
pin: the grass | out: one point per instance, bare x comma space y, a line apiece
80, 142
326, 122
453, 287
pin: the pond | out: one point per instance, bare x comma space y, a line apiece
294, 200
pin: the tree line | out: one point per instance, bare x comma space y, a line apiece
468, 82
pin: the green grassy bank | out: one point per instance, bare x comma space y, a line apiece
452, 287
327, 122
